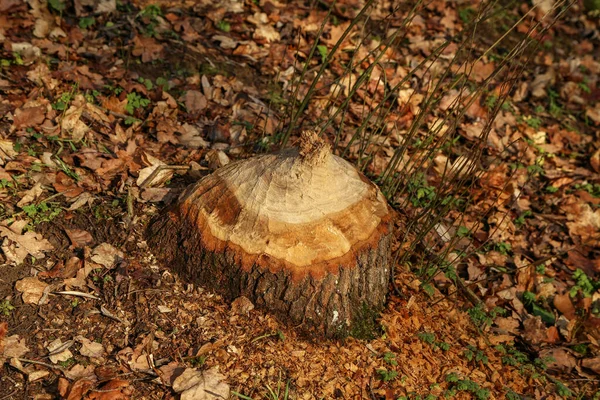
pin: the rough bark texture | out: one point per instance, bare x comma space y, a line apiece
343, 302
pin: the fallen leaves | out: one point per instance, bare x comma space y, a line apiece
148, 48
16, 245
201, 385
32, 289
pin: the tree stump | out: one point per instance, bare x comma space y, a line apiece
301, 233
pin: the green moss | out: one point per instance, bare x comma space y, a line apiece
365, 324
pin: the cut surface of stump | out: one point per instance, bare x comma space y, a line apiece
301, 233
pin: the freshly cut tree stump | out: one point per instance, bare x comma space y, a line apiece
301, 233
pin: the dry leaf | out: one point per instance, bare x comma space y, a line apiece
106, 255
73, 125
79, 371
17, 247
560, 359
28, 117
79, 237
89, 348
14, 347
191, 137
31, 195
148, 48
563, 303
242, 305
194, 101
7, 152
61, 351
161, 177
31, 288
592, 363
201, 385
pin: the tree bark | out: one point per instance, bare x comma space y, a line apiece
343, 302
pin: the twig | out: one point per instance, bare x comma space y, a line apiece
80, 294
159, 169
26, 360
61, 348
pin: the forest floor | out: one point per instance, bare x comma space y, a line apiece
94, 96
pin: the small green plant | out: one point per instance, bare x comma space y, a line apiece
63, 102
135, 101
530, 301
562, 390
41, 212
512, 356
480, 317
5, 307
6, 184
428, 288
75, 303
467, 14
465, 385
429, 338
491, 101
224, 26
386, 375
474, 354
581, 348
67, 363
198, 362
390, 358
520, 220
421, 194
426, 337
593, 189
503, 248
534, 122
551, 189
322, 52
163, 83
57, 5
146, 82
87, 22
584, 284
150, 11
463, 231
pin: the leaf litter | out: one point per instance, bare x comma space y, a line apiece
86, 138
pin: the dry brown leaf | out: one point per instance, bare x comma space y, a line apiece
594, 113
194, 101
560, 359
17, 247
59, 351
72, 124
79, 371
161, 177
148, 48
592, 363
201, 385
14, 347
563, 303
32, 289
534, 330
191, 137
79, 237
7, 152
28, 117
3, 330
30, 195
89, 348
595, 161
116, 389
